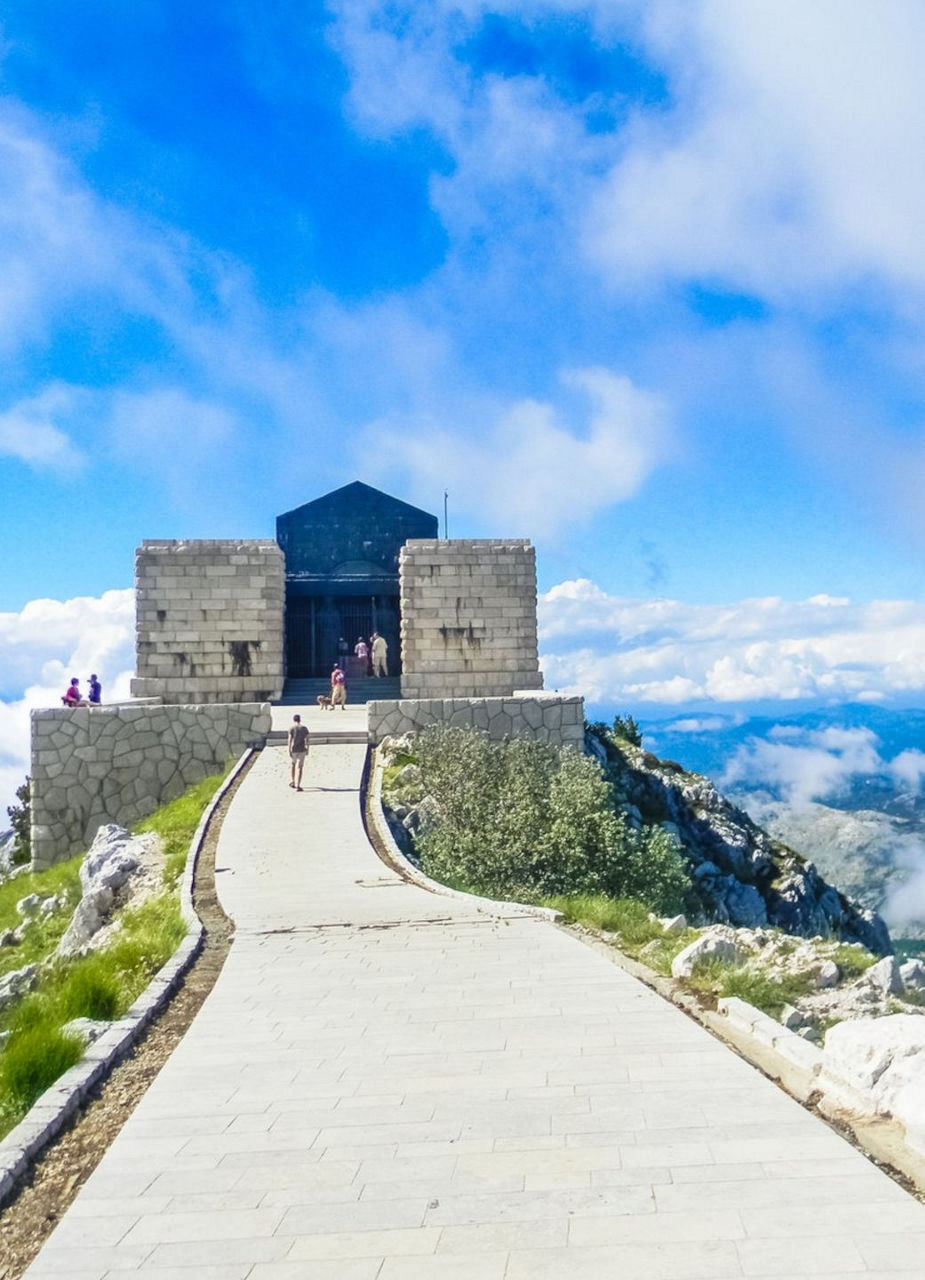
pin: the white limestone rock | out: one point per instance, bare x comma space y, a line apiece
791, 1018
882, 1061
115, 859
717, 943
89, 1029
29, 906
110, 860
91, 915
826, 975
912, 974
18, 983
883, 977
674, 925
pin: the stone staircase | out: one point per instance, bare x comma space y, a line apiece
304, 693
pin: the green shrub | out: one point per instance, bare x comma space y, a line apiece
20, 816
524, 819
627, 729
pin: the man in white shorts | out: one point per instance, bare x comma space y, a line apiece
298, 750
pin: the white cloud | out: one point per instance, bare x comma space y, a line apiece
788, 163
41, 647
28, 431
908, 768
816, 767
905, 900
614, 649
167, 431
537, 466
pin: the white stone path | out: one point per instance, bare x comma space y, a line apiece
387, 1084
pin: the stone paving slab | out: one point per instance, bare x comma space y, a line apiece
384, 1085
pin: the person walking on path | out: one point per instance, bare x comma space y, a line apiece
380, 655
298, 750
338, 688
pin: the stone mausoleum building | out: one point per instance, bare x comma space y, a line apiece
227, 628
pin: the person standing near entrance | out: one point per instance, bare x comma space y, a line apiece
298, 750
380, 655
338, 688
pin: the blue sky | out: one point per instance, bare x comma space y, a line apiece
642, 280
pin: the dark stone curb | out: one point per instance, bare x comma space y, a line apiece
63, 1099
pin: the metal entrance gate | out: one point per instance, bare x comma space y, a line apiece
315, 625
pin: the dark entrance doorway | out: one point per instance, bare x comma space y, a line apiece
316, 625
342, 574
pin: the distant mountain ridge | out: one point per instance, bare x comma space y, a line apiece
864, 826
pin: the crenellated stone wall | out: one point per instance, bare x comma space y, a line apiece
209, 621
120, 763
545, 717
468, 618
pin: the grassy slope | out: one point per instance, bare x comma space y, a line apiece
101, 986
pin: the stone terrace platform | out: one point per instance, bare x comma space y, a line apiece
389, 1085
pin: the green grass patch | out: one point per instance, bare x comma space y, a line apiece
714, 977
31, 1063
101, 986
176, 824
852, 960
639, 936
41, 933
625, 916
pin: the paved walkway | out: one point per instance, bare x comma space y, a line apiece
387, 1084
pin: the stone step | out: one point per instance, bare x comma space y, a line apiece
320, 737
305, 692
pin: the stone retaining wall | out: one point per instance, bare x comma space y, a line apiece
118, 764
546, 717
209, 621
468, 618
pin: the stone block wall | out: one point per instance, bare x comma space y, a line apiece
209, 621
468, 618
545, 717
118, 764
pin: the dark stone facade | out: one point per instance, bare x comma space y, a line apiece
341, 555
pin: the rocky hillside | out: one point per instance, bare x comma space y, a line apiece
742, 875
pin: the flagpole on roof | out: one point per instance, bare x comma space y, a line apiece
446, 495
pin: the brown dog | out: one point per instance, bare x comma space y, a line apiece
324, 702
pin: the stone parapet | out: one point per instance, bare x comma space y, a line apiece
544, 717
468, 610
209, 620
120, 763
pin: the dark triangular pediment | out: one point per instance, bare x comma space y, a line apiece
355, 499
355, 523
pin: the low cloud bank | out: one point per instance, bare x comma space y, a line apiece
612, 649
619, 650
